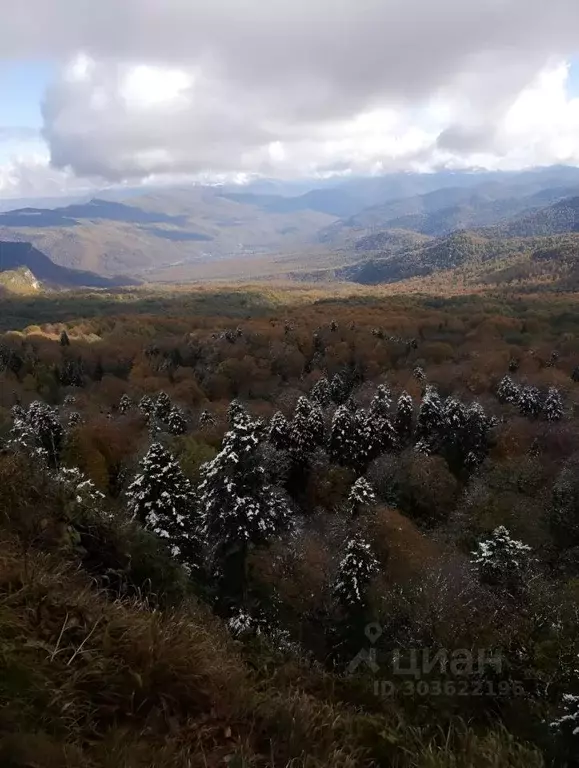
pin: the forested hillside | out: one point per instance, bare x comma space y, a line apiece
265, 528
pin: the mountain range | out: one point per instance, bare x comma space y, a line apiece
379, 229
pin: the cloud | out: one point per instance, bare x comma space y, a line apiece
293, 87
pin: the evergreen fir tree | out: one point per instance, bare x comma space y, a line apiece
236, 412
321, 393
430, 421
553, 405
125, 404
381, 402
566, 727
403, 419
176, 422
147, 407
241, 509
355, 572
419, 374
163, 406
206, 419
575, 374
279, 432
307, 430
163, 501
508, 391
74, 419
81, 494
333, 326
38, 431
381, 433
502, 561
64, 340
339, 389
344, 439
475, 441
530, 401
361, 497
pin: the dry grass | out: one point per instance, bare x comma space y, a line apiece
86, 681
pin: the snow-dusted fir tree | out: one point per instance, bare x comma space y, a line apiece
163, 500
419, 374
344, 440
566, 727
321, 393
361, 497
206, 419
236, 412
147, 406
381, 402
125, 404
530, 403
430, 420
163, 407
333, 326
381, 432
502, 561
306, 429
176, 421
339, 389
475, 440
79, 492
317, 426
74, 419
240, 508
553, 405
355, 572
69, 401
279, 432
37, 429
508, 391
403, 418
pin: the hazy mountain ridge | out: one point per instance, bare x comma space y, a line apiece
22, 255
404, 220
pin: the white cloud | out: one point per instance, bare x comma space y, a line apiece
294, 87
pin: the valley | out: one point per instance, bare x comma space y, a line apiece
485, 227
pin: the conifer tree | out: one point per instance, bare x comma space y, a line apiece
38, 430
355, 572
163, 407
206, 419
64, 340
344, 440
381, 433
508, 391
241, 509
361, 497
279, 432
530, 401
321, 393
419, 374
553, 405
163, 501
125, 404
430, 421
235, 412
502, 561
339, 389
403, 419
176, 422
147, 407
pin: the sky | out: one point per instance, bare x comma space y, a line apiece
94, 94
